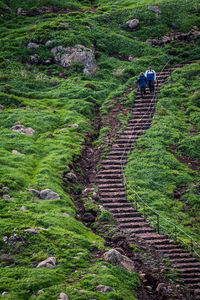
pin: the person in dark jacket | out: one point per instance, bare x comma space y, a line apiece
142, 84
151, 77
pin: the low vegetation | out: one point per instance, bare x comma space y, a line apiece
62, 106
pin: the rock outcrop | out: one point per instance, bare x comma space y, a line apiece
77, 54
190, 37
132, 23
46, 194
117, 259
47, 263
105, 289
23, 130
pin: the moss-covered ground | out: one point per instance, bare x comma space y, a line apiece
50, 99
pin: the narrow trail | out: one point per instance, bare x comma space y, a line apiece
112, 193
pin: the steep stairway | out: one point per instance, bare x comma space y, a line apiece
113, 193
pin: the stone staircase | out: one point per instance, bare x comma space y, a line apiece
113, 193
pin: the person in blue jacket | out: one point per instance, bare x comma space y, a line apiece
151, 77
142, 84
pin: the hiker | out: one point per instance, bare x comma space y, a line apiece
142, 84
151, 77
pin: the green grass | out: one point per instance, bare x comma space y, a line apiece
50, 99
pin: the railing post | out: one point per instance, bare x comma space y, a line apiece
144, 211
175, 232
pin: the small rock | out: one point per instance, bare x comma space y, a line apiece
23, 208
23, 130
47, 61
156, 9
32, 230
6, 196
104, 289
5, 294
20, 11
48, 43
161, 288
40, 292
149, 288
95, 195
13, 240
36, 192
65, 24
1, 107
132, 23
47, 263
73, 126
34, 59
5, 189
32, 46
117, 259
63, 297
65, 214
17, 152
48, 194
71, 176
136, 58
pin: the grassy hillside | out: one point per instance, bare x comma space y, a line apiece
61, 105
164, 167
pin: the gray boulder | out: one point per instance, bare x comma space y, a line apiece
48, 194
34, 59
5, 294
132, 23
156, 9
33, 45
79, 54
23, 130
23, 208
35, 192
105, 289
71, 176
63, 296
115, 258
17, 152
47, 263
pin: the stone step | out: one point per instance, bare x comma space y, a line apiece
132, 220
190, 263
193, 286
134, 225
154, 236
111, 161
113, 194
132, 214
167, 247
172, 254
190, 275
189, 270
122, 210
116, 205
113, 177
136, 231
189, 281
115, 200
